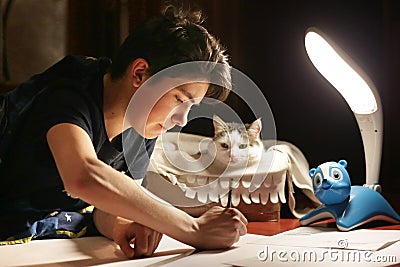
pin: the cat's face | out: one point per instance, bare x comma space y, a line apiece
237, 144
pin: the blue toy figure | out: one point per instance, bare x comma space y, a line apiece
350, 206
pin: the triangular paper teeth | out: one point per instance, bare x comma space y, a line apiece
213, 185
235, 184
255, 184
264, 196
255, 197
224, 200
171, 177
182, 186
213, 196
201, 180
282, 196
246, 182
246, 197
273, 196
235, 198
190, 193
224, 182
202, 195
191, 179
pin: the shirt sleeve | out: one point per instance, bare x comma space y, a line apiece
65, 104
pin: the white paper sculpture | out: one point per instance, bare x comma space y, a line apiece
182, 173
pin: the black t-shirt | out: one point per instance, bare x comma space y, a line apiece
29, 172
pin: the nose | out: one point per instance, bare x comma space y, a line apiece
233, 151
180, 115
326, 184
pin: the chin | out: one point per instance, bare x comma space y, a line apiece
152, 134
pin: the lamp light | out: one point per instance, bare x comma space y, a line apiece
358, 91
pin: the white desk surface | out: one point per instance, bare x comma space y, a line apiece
93, 251
99, 251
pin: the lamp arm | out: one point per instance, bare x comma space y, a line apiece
356, 88
371, 132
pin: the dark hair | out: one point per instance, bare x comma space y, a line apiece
175, 36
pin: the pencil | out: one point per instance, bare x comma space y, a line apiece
230, 194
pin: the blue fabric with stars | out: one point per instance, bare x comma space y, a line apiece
64, 224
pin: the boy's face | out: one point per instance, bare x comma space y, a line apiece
173, 108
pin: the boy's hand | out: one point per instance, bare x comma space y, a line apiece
144, 239
220, 228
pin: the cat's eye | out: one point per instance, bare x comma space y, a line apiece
242, 146
336, 174
317, 179
224, 145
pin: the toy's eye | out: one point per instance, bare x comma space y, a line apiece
317, 179
336, 174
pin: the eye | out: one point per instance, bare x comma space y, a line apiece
224, 145
336, 174
317, 179
242, 146
178, 99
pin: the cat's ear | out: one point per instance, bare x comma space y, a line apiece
255, 127
219, 124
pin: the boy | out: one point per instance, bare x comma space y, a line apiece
68, 153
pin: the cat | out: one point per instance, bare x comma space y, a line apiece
236, 144
233, 148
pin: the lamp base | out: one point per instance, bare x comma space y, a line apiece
363, 206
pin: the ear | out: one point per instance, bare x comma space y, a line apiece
139, 71
343, 163
255, 127
218, 123
312, 172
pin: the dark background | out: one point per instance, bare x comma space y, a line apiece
266, 42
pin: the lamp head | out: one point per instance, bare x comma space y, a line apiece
340, 71
358, 91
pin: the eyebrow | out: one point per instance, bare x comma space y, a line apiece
190, 96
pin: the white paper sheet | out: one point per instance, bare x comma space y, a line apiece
317, 246
302, 256
295, 244
323, 237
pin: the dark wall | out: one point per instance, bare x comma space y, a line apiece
266, 41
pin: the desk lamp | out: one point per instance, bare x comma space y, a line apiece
358, 91
350, 206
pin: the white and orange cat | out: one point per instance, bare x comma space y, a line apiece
236, 144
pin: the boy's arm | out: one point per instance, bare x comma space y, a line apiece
199, 210
93, 181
